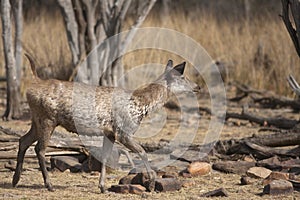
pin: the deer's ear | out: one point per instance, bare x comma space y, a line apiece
180, 68
169, 65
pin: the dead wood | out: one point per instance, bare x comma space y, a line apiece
264, 98
9, 131
276, 122
10, 155
8, 148
281, 123
277, 164
277, 102
236, 167
260, 146
244, 91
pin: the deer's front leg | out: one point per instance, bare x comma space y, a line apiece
131, 144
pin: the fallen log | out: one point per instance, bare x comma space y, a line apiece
276, 122
9, 155
264, 98
277, 102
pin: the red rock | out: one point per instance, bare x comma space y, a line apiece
279, 175
199, 168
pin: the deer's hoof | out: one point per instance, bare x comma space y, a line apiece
49, 187
150, 185
16, 179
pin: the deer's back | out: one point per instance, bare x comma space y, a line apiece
79, 107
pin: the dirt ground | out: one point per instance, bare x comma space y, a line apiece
85, 185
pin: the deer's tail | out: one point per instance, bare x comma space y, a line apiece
32, 65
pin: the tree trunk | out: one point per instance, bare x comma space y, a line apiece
18, 13
96, 22
92, 59
114, 72
13, 91
74, 31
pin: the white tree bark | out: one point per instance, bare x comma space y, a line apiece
18, 13
13, 92
97, 21
73, 29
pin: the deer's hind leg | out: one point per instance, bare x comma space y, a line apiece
45, 129
24, 143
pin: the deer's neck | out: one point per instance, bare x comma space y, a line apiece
150, 98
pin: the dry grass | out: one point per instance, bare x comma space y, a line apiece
258, 52
222, 30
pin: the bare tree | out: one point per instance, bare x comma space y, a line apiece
89, 23
18, 15
13, 77
294, 31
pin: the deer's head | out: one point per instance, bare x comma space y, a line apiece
176, 81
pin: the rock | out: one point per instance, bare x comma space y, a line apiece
159, 185
187, 183
249, 159
258, 172
11, 164
246, 180
279, 175
139, 178
294, 177
127, 179
184, 173
65, 162
221, 192
167, 172
128, 188
199, 168
296, 184
236, 167
278, 187
167, 184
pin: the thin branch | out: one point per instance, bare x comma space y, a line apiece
141, 18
